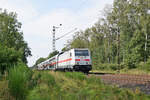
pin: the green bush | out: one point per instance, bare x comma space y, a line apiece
148, 61
8, 58
108, 67
19, 78
144, 66
1, 76
132, 60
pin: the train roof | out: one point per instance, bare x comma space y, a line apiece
80, 48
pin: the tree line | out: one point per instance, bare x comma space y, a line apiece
120, 37
13, 47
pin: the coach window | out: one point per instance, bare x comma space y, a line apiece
70, 54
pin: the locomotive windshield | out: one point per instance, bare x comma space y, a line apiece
81, 53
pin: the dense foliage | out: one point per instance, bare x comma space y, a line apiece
13, 48
8, 58
121, 36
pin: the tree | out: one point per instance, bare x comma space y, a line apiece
52, 54
13, 48
121, 36
8, 58
11, 34
40, 60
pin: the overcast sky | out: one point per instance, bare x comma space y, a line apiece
39, 16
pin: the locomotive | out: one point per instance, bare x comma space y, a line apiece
77, 59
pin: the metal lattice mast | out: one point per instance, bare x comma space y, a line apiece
53, 41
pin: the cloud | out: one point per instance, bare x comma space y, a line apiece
37, 28
23, 8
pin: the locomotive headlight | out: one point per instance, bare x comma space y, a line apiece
87, 63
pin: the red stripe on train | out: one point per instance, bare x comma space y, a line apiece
86, 59
66, 61
77, 60
61, 61
82, 60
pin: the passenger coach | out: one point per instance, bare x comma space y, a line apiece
72, 60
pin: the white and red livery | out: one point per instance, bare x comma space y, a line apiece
76, 59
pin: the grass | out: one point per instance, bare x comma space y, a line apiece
77, 86
18, 83
124, 71
49, 85
103, 71
135, 71
4, 93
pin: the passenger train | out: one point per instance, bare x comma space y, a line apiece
76, 59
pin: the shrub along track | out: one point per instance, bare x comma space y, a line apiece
126, 81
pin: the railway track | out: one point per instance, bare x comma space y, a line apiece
126, 81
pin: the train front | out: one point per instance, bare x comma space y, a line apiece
82, 60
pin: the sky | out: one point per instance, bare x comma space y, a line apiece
39, 16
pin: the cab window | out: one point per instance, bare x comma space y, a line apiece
81, 53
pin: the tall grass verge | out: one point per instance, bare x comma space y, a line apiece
45, 88
18, 84
76, 75
77, 86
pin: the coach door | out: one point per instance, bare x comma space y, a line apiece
69, 59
